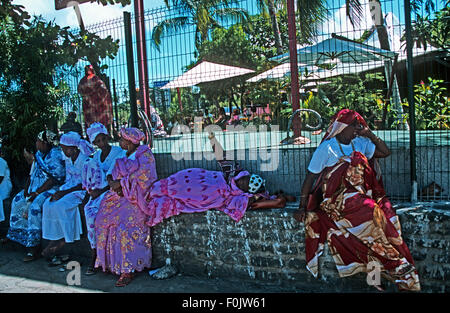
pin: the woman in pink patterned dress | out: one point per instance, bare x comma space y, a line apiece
123, 238
231, 191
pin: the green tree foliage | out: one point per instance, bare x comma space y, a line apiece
33, 54
432, 29
231, 47
432, 106
203, 15
362, 94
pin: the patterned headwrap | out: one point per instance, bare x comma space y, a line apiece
132, 134
49, 137
96, 129
73, 139
255, 183
341, 120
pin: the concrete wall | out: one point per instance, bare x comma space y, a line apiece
268, 246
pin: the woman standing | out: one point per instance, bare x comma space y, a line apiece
46, 175
123, 238
95, 182
345, 203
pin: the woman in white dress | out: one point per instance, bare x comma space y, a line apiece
46, 175
61, 220
5, 184
95, 182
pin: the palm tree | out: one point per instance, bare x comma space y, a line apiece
310, 14
203, 14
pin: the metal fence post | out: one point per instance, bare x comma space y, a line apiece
115, 105
130, 69
139, 13
295, 92
410, 80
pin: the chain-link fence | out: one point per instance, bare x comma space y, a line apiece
356, 61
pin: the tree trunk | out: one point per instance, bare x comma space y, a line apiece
275, 26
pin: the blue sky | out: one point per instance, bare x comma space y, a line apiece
91, 12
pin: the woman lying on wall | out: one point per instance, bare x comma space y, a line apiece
343, 201
232, 191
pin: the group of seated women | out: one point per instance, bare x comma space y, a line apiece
342, 200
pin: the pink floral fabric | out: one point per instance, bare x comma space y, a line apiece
123, 238
194, 190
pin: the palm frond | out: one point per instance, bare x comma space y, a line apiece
354, 11
310, 15
236, 14
168, 26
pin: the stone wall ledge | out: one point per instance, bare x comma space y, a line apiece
267, 246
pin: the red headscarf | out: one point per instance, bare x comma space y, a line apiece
341, 120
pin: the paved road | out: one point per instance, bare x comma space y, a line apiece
37, 276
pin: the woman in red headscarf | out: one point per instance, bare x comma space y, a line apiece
343, 201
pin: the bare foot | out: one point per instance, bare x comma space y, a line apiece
52, 248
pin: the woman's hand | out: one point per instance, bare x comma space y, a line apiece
299, 216
58, 195
95, 193
116, 187
365, 132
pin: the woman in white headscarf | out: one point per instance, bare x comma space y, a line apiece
61, 221
46, 175
94, 180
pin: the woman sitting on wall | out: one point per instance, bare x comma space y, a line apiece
343, 201
94, 180
46, 174
61, 220
123, 239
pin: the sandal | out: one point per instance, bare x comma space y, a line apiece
55, 261
31, 257
91, 270
124, 280
403, 270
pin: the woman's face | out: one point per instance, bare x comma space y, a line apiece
351, 131
101, 141
69, 151
125, 144
242, 183
42, 146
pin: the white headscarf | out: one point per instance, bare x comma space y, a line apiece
96, 129
73, 139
